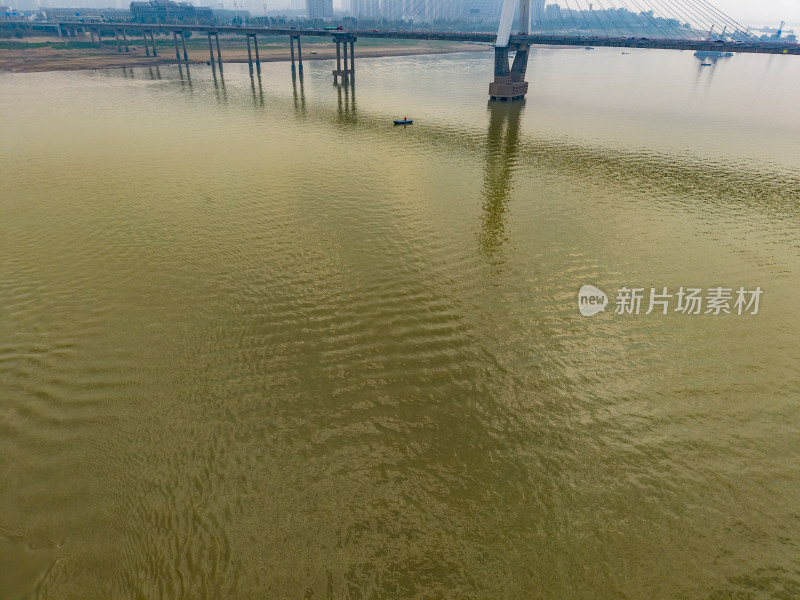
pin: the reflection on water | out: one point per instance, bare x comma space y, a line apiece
346, 99
258, 98
344, 359
298, 93
501, 153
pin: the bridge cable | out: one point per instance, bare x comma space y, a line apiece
635, 16
593, 13
679, 28
664, 23
571, 16
689, 18
612, 22
585, 19
622, 17
580, 14
652, 20
605, 18
700, 17
738, 27
659, 17
564, 25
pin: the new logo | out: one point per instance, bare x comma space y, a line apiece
591, 301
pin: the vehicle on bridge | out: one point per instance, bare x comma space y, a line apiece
332, 28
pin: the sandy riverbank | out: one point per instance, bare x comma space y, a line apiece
42, 54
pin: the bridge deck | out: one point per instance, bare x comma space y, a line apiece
449, 36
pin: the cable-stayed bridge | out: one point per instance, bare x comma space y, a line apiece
511, 26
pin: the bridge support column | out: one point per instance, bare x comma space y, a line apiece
352, 60
345, 73
210, 50
116, 37
338, 62
291, 49
258, 58
153, 43
177, 49
183, 41
146, 43
509, 84
299, 56
99, 39
344, 69
125, 39
91, 33
219, 52
249, 55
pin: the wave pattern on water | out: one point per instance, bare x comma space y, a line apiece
296, 352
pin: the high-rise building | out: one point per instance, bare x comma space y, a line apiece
537, 12
319, 9
552, 13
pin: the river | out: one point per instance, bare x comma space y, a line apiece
256, 342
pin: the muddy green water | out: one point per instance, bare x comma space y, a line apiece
255, 342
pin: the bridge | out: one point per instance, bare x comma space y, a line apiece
518, 28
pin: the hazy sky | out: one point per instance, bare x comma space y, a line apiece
761, 12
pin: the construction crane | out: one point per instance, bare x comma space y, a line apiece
780, 29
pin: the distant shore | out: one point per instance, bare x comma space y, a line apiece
53, 54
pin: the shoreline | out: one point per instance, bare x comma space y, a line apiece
56, 57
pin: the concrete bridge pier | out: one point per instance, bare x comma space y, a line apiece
352, 60
219, 52
99, 39
250, 55
91, 33
210, 49
346, 72
153, 43
258, 58
343, 70
299, 55
510, 84
183, 41
338, 63
292, 39
146, 43
177, 49
116, 37
125, 39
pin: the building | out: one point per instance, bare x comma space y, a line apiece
537, 12
167, 11
365, 9
481, 10
552, 13
319, 9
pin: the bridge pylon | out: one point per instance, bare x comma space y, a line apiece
509, 83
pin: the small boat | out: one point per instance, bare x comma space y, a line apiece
403, 121
705, 64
